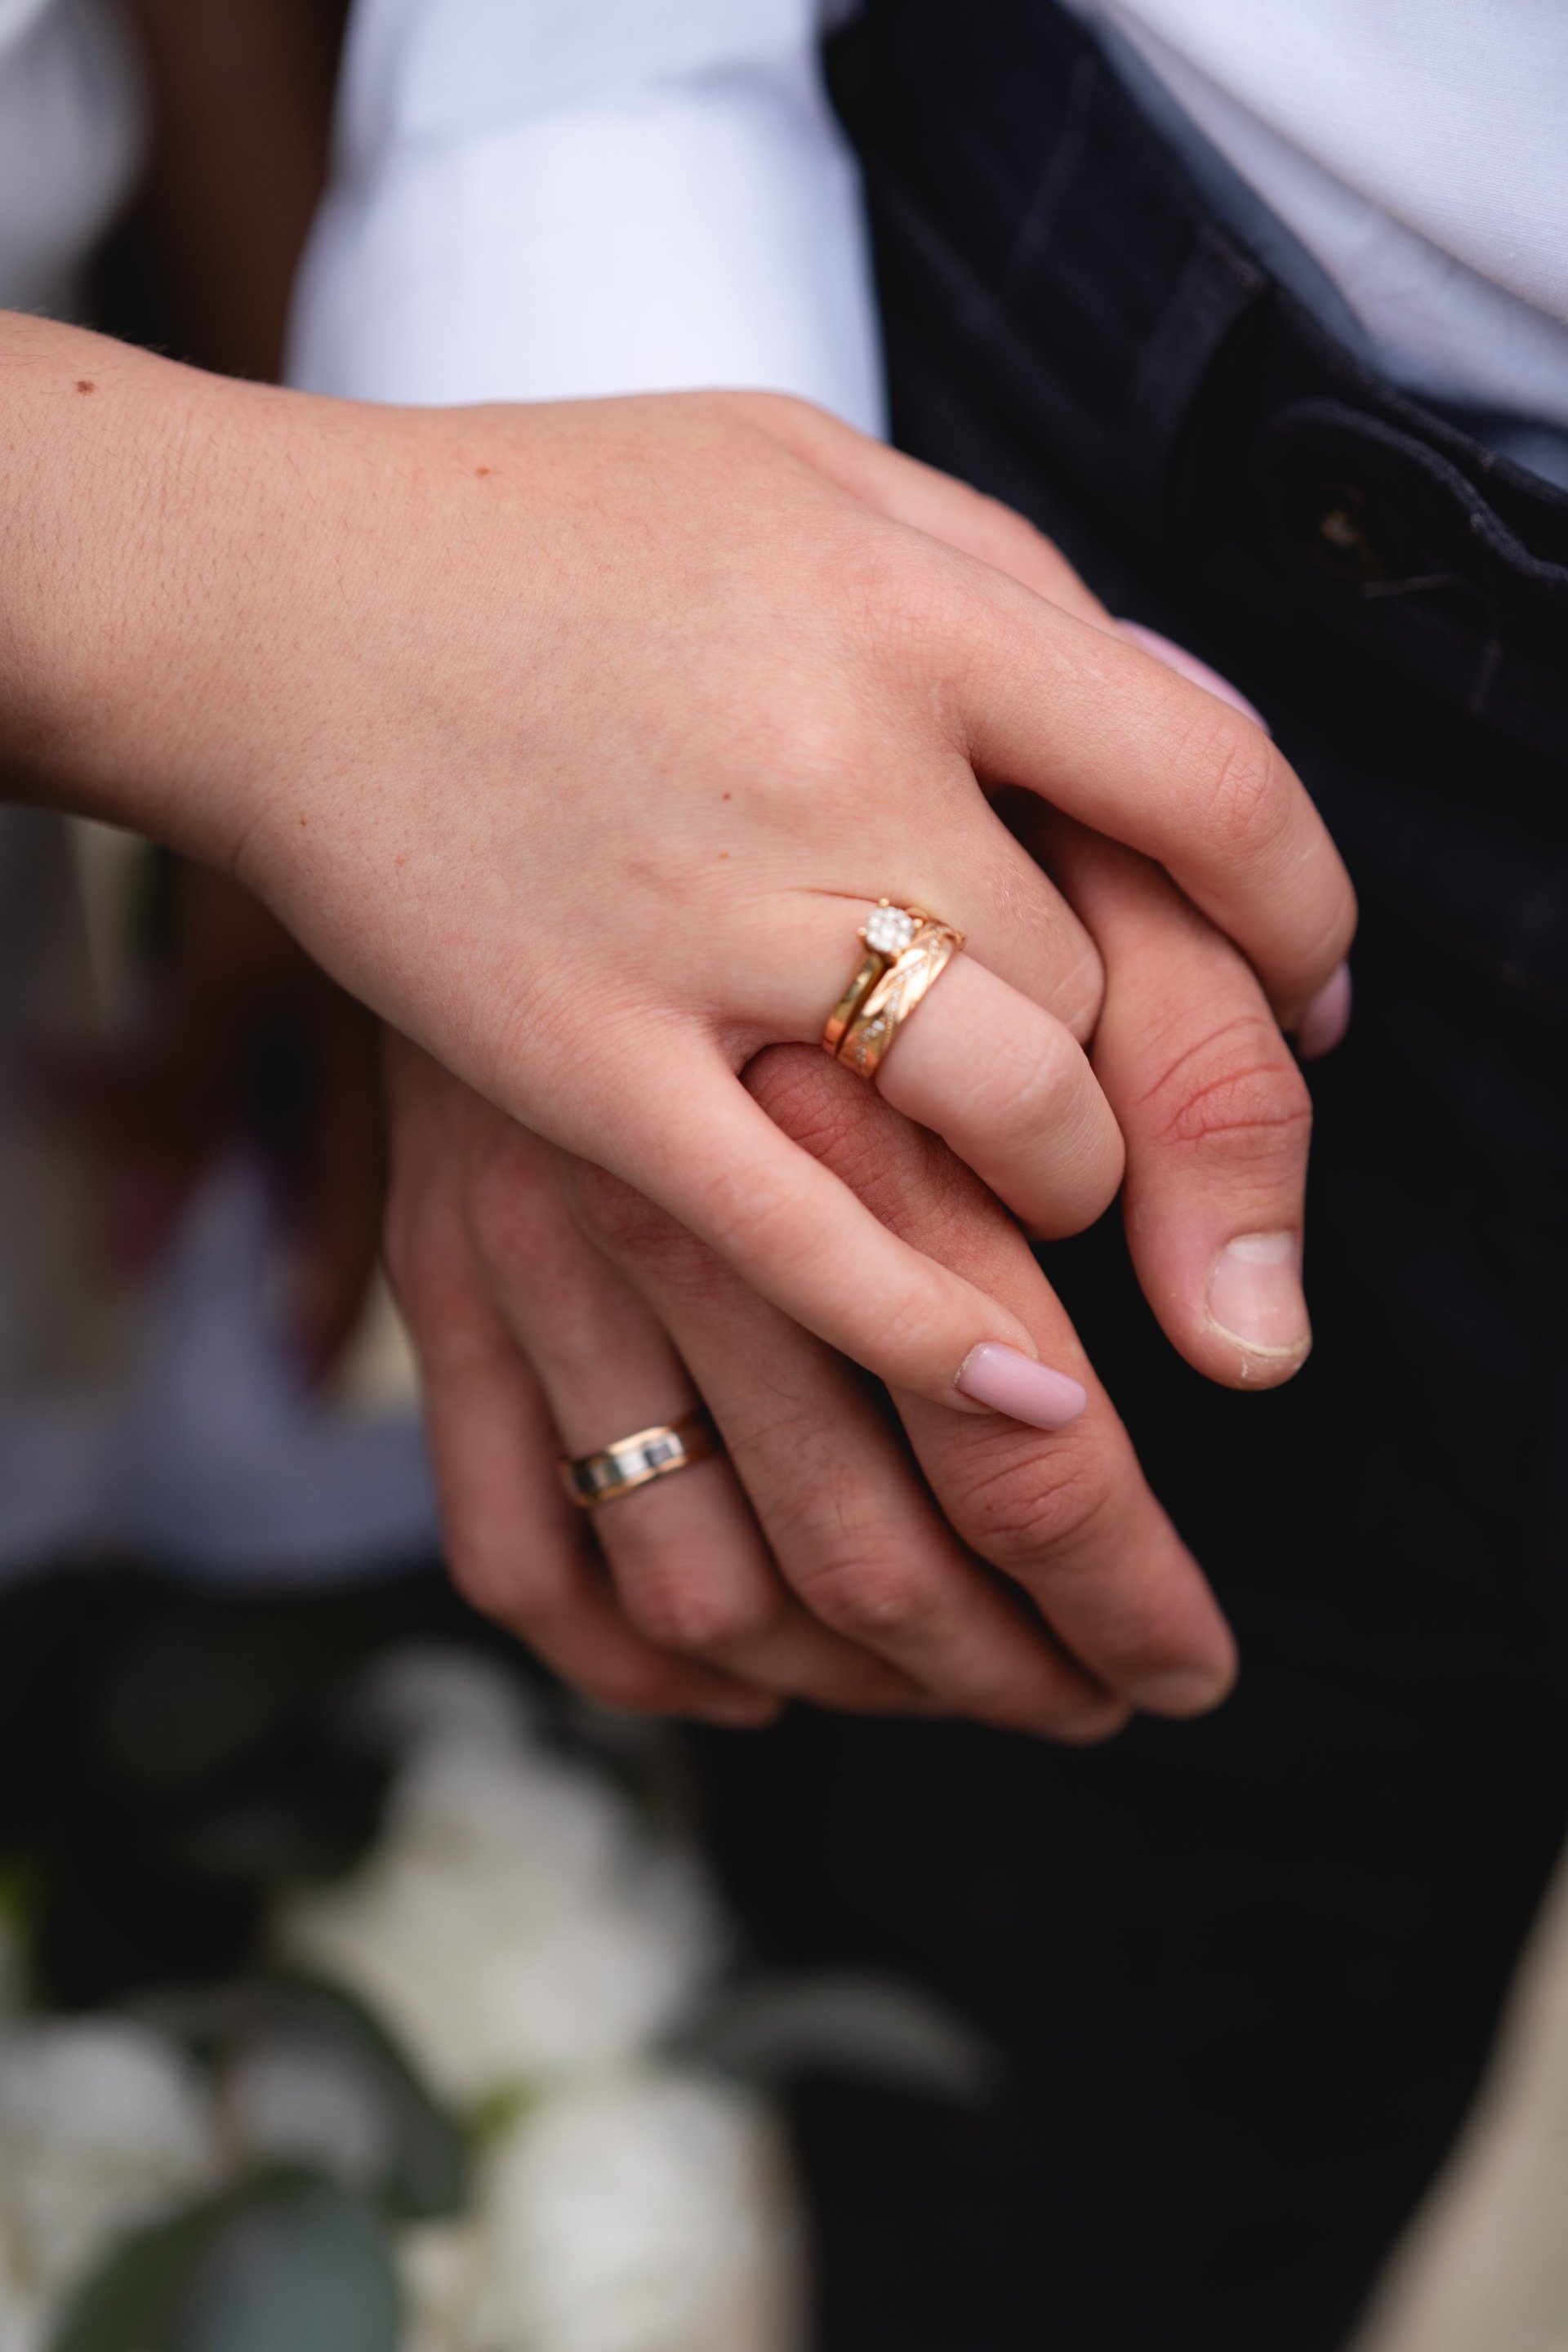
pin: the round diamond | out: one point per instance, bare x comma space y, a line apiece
890, 930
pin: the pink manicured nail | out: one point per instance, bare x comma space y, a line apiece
1255, 1295
1188, 666
1327, 1017
1014, 1383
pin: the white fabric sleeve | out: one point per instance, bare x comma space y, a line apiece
547, 199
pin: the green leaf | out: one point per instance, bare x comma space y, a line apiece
288, 2263
299, 2266
132, 2303
423, 2178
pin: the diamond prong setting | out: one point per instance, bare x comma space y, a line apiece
888, 930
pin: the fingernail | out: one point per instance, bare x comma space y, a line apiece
1014, 1383
1255, 1295
1327, 1017
1191, 1690
1188, 666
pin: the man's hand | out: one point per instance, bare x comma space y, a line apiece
555, 1310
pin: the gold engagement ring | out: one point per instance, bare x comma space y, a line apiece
905, 953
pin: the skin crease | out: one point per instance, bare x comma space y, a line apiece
418, 678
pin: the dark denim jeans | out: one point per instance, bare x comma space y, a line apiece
1244, 1972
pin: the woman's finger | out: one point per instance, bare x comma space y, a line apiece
691, 1569
964, 519
1216, 1115
843, 1511
1115, 738
702, 1148
1053, 694
1003, 1081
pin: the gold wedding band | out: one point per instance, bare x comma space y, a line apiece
635, 1461
886, 933
905, 953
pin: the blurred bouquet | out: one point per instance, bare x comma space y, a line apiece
455, 2119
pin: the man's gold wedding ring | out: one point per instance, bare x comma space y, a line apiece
635, 1461
905, 953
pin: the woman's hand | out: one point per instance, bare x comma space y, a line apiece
554, 1310
578, 740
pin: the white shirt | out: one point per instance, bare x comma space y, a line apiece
538, 199
546, 197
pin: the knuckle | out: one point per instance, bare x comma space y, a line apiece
619, 1220
638, 1236
514, 1211
1036, 1079
818, 1105
1236, 1087
870, 1594
426, 1260
1244, 781
634, 1686
696, 1615
1016, 1505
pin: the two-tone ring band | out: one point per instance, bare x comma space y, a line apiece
905, 953
632, 1462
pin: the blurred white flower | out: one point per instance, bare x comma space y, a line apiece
102, 2126
22, 2317
424, 1692
515, 1923
644, 2212
303, 2098
440, 2263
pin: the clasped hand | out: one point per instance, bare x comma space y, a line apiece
577, 742
555, 1305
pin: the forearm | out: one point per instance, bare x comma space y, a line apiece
128, 562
